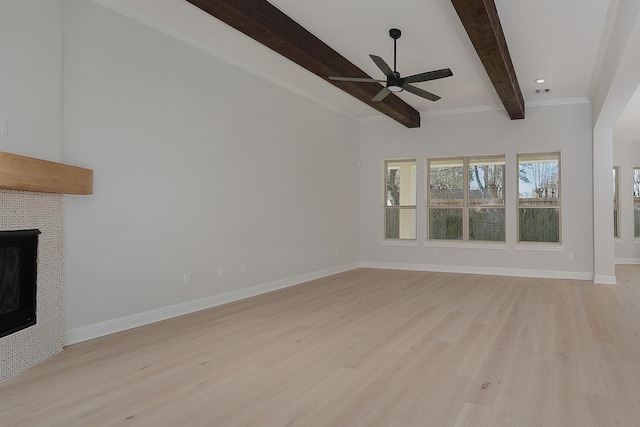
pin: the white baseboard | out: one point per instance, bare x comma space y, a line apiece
100, 329
603, 279
493, 271
627, 261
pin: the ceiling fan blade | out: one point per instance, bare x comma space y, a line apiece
423, 93
382, 65
429, 75
355, 79
381, 95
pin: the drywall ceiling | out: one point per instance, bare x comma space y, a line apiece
556, 40
628, 126
552, 39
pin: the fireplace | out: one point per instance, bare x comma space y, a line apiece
27, 210
18, 265
31, 197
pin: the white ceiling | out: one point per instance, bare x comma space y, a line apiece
557, 40
628, 126
559, 47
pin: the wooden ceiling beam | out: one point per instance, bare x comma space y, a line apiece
263, 22
480, 20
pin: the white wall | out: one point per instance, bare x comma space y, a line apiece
626, 155
197, 165
563, 127
31, 77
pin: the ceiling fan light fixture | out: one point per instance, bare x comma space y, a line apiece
394, 88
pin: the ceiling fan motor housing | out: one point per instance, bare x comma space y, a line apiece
394, 82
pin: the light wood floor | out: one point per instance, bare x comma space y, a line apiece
363, 348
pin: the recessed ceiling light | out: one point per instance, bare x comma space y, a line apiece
540, 81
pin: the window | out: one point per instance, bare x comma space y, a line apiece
539, 197
636, 202
616, 221
466, 198
400, 199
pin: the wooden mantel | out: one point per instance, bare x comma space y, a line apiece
29, 174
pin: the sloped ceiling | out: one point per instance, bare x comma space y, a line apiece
271, 27
628, 126
264, 23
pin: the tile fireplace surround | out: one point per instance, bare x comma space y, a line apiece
31, 196
21, 210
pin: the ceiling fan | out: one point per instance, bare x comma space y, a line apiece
396, 83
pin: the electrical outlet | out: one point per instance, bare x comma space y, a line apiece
186, 278
243, 269
338, 252
570, 255
222, 272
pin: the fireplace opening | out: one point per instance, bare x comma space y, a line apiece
18, 265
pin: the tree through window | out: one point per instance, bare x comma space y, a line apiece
466, 198
539, 197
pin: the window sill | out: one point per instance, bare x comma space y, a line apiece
398, 242
618, 240
465, 244
554, 247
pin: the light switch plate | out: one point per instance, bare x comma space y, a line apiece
4, 128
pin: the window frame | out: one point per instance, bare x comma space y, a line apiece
636, 200
399, 207
558, 204
466, 205
616, 202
